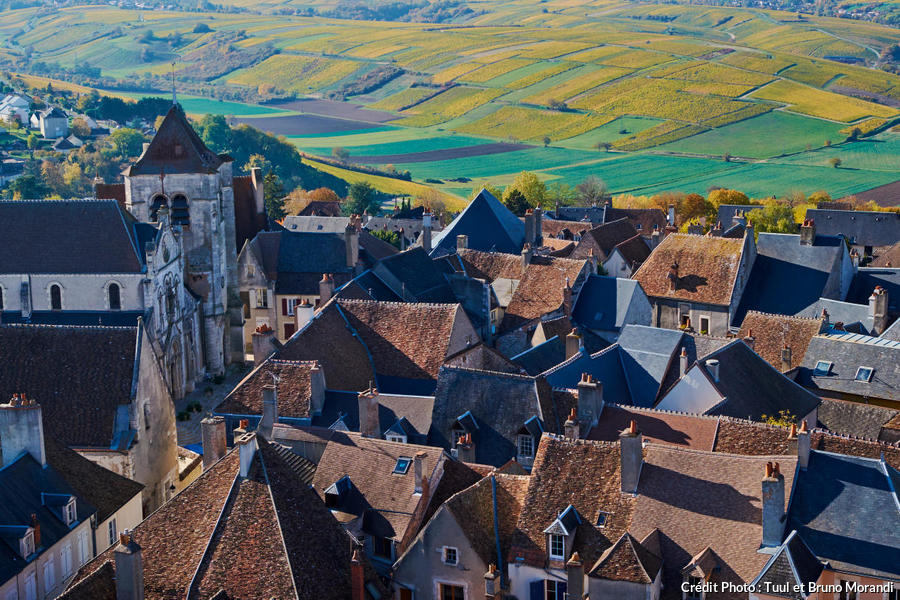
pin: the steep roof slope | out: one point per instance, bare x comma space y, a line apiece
176, 148
489, 225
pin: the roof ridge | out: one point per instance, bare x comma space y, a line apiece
85, 200
558, 437
62, 326
444, 305
676, 449
793, 317
488, 372
847, 436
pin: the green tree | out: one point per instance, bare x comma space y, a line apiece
215, 133
516, 202
591, 191
561, 192
258, 161
32, 141
546, 141
127, 142
27, 187
493, 190
361, 198
835, 162
340, 154
775, 217
390, 237
534, 190
273, 192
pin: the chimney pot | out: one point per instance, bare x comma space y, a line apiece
212, 435
631, 447
573, 344
713, 366
683, 361
418, 471
129, 569
803, 446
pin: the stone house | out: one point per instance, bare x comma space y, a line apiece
53, 123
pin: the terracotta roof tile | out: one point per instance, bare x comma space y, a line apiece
657, 426
628, 560
890, 257
707, 268
604, 238
553, 228
647, 218
293, 389
773, 332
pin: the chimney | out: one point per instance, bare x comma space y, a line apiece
246, 451
369, 423
402, 234
572, 429
808, 232
491, 582
878, 305
240, 430
36, 526
803, 445
129, 569
785, 359
712, 365
654, 237
575, 577
263, 343
527, 253
357, 576
462, 242
568, 299
529, 226
256, 182
303, 314
418, 471
212, 435
772, 505
538, 226
326, 288
316, 389
683, 361
749, 339
351, 242
426, 232
738, 218
465, 449
590, 399
21, 430
573, 344
631, 447
670, 220
672, 276
144, 147
854, 258
269, 410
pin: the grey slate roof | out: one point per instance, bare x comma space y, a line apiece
846, 509
314, 224
489, 225
848, 313
422, 279
867, 278
726, 213
414, 411
793, 564
304, 257
863, 228
847, 352
542, 357
67, 236
176, 148
854, 418
593, 214
603, 302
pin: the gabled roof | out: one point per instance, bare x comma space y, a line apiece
865, 281
568, 229
658, 426
848, 352
628, 560
707, 268
603, 302
416, 277
863, 228
293, 387
489, 225
82, 377
771, 333
316, 224
410, 415
856, 419
67, 236
643, 219
607, 236
852, 316
793, 564
304, 257
840, 498
176, 148
887, 258
634, 250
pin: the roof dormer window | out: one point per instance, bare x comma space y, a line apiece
864, 374
602, 519
26, 543
70, 514
557, 546
823, 367
402, 465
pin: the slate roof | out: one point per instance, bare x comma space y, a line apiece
643, 219
793, 564
81, 376
264, 535
852, 316
704, 500
316, 224
840, 498
542, 357
489, 225
603, 302
483, 357
662, 427
788, 277
863, 228
304, 257
585, 475
606, 237
847, 352
420, 278
771, 333
500, 404
176, 148
293, 390
865, 281
727, 212
634, 250
628, 560
708, 268
748, 387
414, 411
67, 236
589, 214
855, 418
22, 485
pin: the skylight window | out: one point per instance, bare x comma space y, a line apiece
602, 518
823, 367
402, 465
864, 374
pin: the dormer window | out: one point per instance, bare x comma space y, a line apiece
823, 368
693, 588
525, 446
864, 374
402, 465
26, 543
70, 515
394, 437
561, 532
336, 491
557, 548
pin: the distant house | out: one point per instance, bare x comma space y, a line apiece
864, 230
15, 107
10, 170
697, 282
53, 123
616, 245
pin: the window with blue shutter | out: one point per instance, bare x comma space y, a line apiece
537, 590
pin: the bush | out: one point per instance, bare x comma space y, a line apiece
202, 28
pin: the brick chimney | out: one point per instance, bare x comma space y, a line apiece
256, 182
572, 428
529, 227
303, 314
465, 449
369, 423
749, 339
712, 365
419, 471
21, 430
803, 445
573, 344
426, 231
568, 298
590, 399
316, 389
212, 435
878, 309
772, 505
462, 242
718, 230
575, 577
357, 576
240, 430
527, 253
246, 451
351, 241
538, 226
326, 288
785, 359
263, 343
808, 232
129, 569
672, 276
631, 446
683, 361
269, 410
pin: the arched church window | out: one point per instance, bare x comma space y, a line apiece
156, 203
115, 296
180, 213
55, 297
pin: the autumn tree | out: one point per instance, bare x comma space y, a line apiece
591, 191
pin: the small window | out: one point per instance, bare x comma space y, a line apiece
451, 556
555, 590
823, 367
27, 544
602, 518
111, 531
846, 594
115, 296
864, 374
525, 445
55, 297
694, 589
400, 439
402, 465
262, 298
452, 592
382, 547
704, 325
557, 547
70, 513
